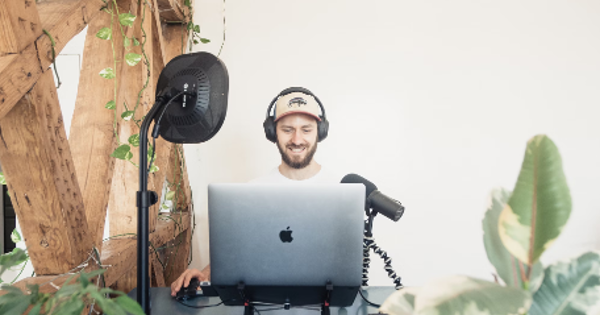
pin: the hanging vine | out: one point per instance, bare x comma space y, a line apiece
175, 187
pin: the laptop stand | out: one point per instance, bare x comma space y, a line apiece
249, 305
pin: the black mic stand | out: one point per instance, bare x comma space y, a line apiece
368, 244
145, 199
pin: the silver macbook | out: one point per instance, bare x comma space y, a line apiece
283, 243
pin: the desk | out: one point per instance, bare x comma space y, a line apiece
163, 304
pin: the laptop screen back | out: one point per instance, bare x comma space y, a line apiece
272, 235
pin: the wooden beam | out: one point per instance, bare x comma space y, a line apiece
173, 10
176, 257
158, 272
19, 25
18, 74
175, 37
37, 164
178, 177
63, 20
125, 182
121, 254
92, 137
158, 33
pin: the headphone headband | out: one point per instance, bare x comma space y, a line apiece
269, 124
293, 90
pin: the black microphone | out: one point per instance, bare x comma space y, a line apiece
377, 201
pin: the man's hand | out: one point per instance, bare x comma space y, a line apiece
186, 277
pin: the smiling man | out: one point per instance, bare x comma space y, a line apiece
297, 125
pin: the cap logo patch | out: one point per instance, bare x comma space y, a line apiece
297, 102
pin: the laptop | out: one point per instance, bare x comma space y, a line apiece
286, 244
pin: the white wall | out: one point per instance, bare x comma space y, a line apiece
433, 101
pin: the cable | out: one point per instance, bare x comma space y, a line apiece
368, 302
199, 306
268, 309
154, 131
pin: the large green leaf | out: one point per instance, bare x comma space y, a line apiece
569, 288
540, 204
510, 269
401, 302
468, 296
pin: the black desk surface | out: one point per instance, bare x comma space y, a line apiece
162, 303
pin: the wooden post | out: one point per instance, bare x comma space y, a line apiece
43, 177
92, 137
125, 183
19, 25
37, 164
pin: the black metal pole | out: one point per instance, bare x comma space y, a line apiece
144, 202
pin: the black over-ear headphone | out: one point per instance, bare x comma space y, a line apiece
269, 124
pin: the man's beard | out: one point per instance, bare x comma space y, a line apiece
299, 164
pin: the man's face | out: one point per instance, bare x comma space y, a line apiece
297, 139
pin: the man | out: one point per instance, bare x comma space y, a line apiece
296, 127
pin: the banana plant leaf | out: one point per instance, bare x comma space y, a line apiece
510, 269
401, 302
540, 204
569, 288
468, 296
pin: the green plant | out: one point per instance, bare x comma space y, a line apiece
70, 299
518, 228
15, 257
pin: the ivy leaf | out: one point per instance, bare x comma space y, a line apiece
104, 33
127, 115
126, 19
153, 168
190, 26
14, 258
134, 140
165, 207
187, 3
132, 59
195, 42
110, 105
107, 73
122, 152
15, 236
2, 180
170, 195
197, 28
204, 40
135, 42
150, 151
126, 41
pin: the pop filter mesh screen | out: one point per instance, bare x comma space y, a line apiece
202, 116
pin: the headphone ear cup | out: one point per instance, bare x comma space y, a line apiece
269, 126
323, 128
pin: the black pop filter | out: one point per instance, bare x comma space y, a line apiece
197, 114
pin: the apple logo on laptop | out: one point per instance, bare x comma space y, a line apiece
286, 235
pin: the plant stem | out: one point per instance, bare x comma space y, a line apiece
137, 103
53, 57
112, 45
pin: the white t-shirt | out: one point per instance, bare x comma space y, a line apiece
275, 177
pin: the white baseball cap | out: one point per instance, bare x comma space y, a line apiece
296, 103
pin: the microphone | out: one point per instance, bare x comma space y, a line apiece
377, 201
